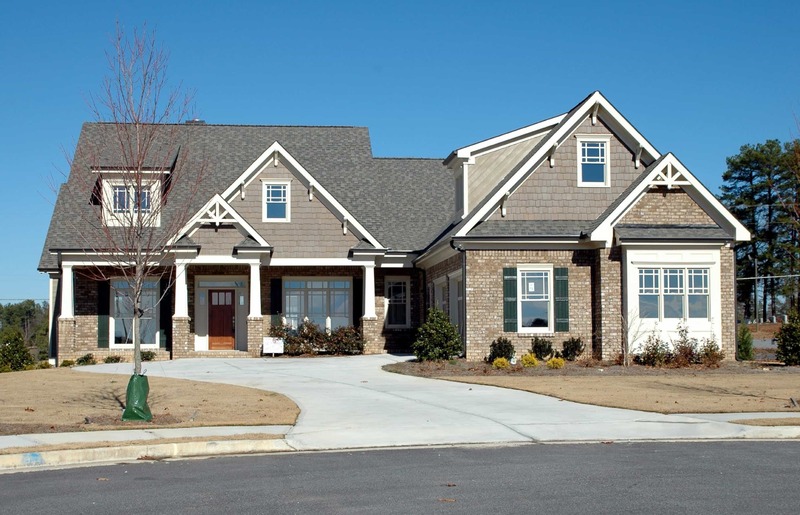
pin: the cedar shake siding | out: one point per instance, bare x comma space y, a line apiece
554, 194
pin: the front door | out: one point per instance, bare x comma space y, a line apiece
221, 320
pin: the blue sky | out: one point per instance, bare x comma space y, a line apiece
699, 79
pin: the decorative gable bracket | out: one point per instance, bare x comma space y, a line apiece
669, 176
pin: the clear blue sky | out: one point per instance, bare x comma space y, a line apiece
697, 78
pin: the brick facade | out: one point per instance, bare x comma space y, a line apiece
661, 205
484, 296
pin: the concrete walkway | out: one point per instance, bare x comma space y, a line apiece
349, 402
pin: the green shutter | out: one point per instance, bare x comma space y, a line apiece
561, 290
510, 300
103, 304
165, 315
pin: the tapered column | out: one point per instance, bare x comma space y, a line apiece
255, 289
369, 290
181, 291
67, 295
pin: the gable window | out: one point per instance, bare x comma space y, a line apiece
593, 161
121, 321
276, 202
398, 307
673, 293
126, 201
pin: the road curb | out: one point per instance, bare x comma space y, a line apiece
155, 451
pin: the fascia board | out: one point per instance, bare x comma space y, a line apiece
467, 152
318, 188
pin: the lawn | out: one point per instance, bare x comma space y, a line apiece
732, 388
66, 399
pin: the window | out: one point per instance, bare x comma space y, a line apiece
127, 201
593, 164
318, 298
397, 303
673, 293
121, 326
276, 202
535, 300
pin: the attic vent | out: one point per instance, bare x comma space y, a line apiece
195, 121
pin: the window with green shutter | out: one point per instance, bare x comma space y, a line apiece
561, 299
510, 300
103, 308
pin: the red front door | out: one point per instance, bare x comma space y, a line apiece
221, 320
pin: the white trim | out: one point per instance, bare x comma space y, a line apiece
67, 294
406, 280
165, 171
694, 188
222, 260
569, 126
508, 137
314, 262
594, 138
550, 329
276, 150
276, 182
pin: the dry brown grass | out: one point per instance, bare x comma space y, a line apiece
58, 400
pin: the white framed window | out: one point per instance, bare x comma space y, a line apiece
121, 316
318, 298
535, 299
673, 293
593, 161
276, 203
398, 305
126, 203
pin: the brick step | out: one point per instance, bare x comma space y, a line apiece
218, 354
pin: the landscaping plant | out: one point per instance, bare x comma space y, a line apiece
529, 361
14, 355
788, 339
710, 353
501, 363
654, 352
685, 350
555, 363
573, 348
542, 348
437, 338
500, 348
744, 344
86, 359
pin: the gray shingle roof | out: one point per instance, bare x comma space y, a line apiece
391, 198
631, 232
529, 228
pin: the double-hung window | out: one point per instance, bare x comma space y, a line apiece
535, 299
398, 307
121, 327
593, 161
127, 201
673, 293
276, 202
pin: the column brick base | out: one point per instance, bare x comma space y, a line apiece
374, 341
255, 335
182, 340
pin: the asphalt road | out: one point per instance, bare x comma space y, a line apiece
725, 478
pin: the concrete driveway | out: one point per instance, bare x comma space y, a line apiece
349, 402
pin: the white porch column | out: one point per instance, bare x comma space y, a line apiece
181, 291
369, 290
67, 295
255, 289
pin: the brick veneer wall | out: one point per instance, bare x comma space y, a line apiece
664, 206
484, 296
607, 319
78, 336
439, 270
727, 268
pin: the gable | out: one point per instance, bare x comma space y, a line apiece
661, 206
312, 231
552, 192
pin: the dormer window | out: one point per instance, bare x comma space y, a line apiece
593, 161
276, 201
128, 205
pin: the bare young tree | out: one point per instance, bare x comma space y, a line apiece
139, 175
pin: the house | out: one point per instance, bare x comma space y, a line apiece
575, 226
